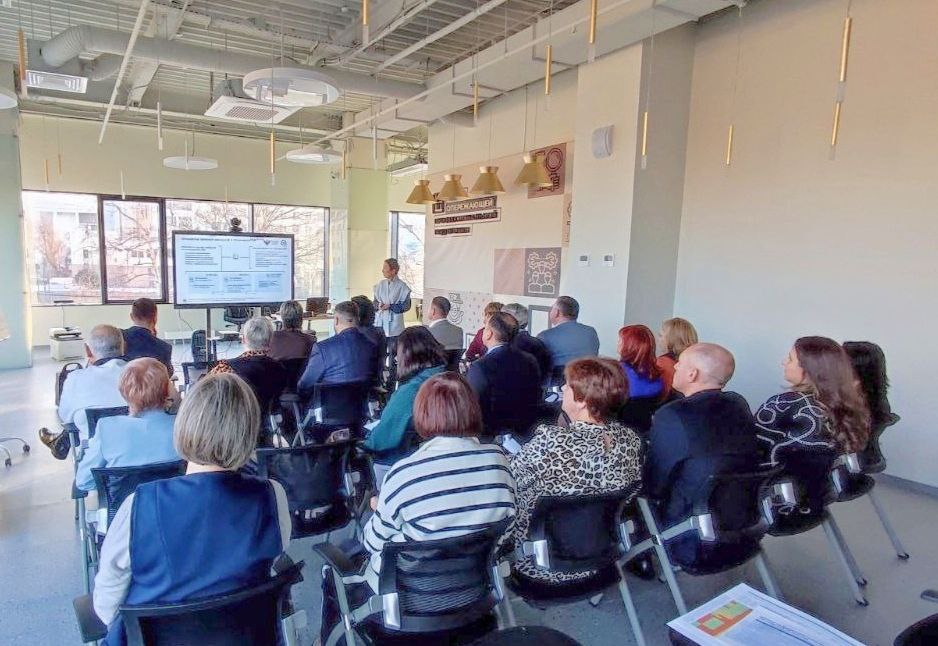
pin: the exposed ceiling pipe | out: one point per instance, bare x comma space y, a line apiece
84, 38
401, 20
450, 28
131, 41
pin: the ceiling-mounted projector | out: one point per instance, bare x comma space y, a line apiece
313, 154
290, 86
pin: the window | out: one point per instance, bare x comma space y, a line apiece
308, 224
63, 259
132, 249
197, 215
407, 235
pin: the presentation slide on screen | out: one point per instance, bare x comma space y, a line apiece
225, 269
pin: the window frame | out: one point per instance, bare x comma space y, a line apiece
164, 263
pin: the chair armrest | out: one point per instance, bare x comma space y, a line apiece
336, 559
284, 563
91, 628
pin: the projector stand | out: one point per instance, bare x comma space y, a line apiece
210, 350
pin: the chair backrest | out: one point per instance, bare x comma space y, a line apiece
872, 458
637, 413
237, 314
810, 471
199, 347
95, 414
60, 378
730, 505
581, 532
314, 478
294, 369
557, 377
317, 305
192, 371
452, 360
114, 484
440, 585
342, 404
247, 616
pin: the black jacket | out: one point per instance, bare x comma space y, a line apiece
536, 348
140, 342
508, 384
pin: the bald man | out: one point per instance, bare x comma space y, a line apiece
710, 431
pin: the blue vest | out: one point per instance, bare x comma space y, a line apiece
200, 535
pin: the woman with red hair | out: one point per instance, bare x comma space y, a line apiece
637, 358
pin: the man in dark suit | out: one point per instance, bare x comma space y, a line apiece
506, 380
347, 356
140, 339
526, 343
708, 432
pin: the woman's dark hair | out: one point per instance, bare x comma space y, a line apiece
833, 382
638, 350
417, 349
446, 405
869, 362
366, 311
600, 383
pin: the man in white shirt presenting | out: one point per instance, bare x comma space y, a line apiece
392, 299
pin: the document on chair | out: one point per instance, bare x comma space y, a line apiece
743, 616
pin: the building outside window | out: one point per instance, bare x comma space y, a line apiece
132, 249
308, 224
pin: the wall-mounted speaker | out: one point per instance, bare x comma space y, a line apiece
602, 142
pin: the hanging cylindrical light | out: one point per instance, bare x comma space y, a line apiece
488, 182
591, 50
645, 139
45, 170
475, 101
534, 172
452, 188
365, 35
159, 125
273, 153
729, 146
548, 63
123, 192
421, 194
21, 47
842, 79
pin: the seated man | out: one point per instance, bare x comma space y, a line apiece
506, 380
566, 338
707, 432
266, 377
291, 342
450, 336
145, 436
347, 356
526, 343
366, 325
140, 339
94, 387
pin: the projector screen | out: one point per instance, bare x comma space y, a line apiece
221, 269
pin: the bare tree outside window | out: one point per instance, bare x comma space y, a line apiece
409, 253
63, 261
132, 249
308, 226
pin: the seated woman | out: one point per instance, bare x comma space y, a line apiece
869, 362
266, 377
637, 358
145, 436
477, 348
419, 357
593, 455
823, 410
291, 342
219, 530
676, 335
451, 486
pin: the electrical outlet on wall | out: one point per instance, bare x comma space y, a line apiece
583, 260
609, 260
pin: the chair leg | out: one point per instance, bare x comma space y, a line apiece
83, 543
507, 612
666, 568
767, 579
630, 608
896, 543
839, 553
851, 561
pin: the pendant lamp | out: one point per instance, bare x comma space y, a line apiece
534, 172
452, 188
421, 193
488, 181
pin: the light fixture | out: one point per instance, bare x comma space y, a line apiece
488, 181
313, 154
190, 162
421, 194
452, 188
55, 81
296, 87
7, 99
841, 79
21, 55
534, 172
591, 50
410, 166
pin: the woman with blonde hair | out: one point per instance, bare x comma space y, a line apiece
144, 436
211, 531
676, 335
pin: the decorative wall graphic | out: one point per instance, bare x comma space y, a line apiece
542, 272
527, 272
466, 309
478, 210
566, 219
555, 158
476, 217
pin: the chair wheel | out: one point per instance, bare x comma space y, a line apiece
26, 450
863, 603
904, 556
862, 582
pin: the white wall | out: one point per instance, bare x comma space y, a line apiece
787, 242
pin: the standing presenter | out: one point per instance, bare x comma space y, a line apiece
392, 299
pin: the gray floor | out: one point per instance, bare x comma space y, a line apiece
39, 572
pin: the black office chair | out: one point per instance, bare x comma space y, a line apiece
872, 459
114, 484
576, 534
807, 478
252, 615
192, 371
435, 590
96, 414
330, 408
557, 379
317, 482
198, 347
731, 514
237, 315
452, 359
921, 633
527, 636
637, 412
850, 483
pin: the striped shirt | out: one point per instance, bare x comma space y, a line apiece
449, 487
